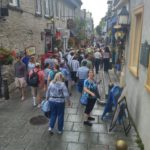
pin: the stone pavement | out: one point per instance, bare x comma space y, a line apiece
16, 132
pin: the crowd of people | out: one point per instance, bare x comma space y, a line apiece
54, 78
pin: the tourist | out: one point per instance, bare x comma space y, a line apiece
57, 93
20, 76
31, 64
90, 88
82, 74
37, 89
106, 58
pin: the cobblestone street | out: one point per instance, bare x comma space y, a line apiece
16, 132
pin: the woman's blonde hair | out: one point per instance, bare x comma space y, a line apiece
58, 77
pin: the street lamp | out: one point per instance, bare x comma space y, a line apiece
123, 17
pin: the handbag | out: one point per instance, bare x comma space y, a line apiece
84, 99
45, 106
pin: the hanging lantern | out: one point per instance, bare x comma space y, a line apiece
123, 17
119, 34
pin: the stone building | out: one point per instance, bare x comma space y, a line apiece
33, 23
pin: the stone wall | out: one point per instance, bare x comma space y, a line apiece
23, 29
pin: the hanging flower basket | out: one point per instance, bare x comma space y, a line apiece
5, 56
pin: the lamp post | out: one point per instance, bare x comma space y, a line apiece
0, 82
49, 32
123, 20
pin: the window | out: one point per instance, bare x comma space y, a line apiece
38, 7
47, 11
148, 77
14, 2
136, 32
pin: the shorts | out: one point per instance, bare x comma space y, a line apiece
20, 82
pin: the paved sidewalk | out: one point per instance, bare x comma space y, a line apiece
16, 132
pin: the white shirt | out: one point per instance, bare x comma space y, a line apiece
70, 60
75, 65
31, 66
97, 55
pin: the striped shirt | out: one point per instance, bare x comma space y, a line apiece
75, 65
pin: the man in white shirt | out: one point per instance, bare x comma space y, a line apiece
70, 57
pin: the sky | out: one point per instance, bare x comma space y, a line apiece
98, 8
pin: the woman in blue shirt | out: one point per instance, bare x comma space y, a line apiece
90, 87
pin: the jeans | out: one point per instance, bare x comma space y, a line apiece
80, 85
57, 110
97, 63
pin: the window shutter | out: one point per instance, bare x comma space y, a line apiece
145, 50
4, 11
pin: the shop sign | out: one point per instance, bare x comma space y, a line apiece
30, 50
66, 34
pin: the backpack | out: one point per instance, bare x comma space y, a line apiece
33, 79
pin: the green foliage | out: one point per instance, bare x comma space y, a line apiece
98, 30
80, 26
139, 142
5, 56
100, 26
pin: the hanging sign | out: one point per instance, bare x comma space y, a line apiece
30, 50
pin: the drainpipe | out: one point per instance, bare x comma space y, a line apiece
0, 81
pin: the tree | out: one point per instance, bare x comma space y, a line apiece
100, 27
98, 30
80, 28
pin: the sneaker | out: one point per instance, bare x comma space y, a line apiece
22, 98
91, 118
59, 132
39, 105
50, 130
87, 123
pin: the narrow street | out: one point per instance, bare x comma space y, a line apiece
16, 132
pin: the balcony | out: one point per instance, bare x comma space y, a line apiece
109, 1
119, 3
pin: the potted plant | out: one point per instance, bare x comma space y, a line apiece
5, 56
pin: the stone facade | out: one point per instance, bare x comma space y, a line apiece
23, 28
